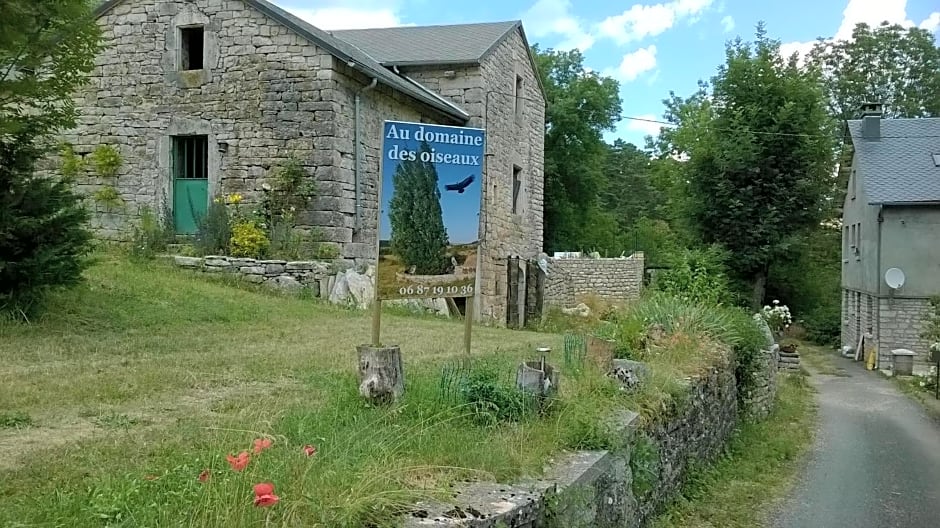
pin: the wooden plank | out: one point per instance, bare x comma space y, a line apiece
512, 292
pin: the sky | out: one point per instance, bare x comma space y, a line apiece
460, 211
652, 47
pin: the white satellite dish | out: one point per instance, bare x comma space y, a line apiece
895, 278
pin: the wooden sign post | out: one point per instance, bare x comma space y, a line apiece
430, 185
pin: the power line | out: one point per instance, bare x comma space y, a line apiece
760, 132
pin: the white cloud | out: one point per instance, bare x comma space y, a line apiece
349, 14
931, 23
727, 24
554, 17
645, 125
642, 21
871, 12
633, 64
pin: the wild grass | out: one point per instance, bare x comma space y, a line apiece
761, 462
144, 376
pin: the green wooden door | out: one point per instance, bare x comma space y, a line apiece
190, 182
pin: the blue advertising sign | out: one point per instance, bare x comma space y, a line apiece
429, 220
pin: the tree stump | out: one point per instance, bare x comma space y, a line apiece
381, 376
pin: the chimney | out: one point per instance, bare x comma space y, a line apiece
870, 114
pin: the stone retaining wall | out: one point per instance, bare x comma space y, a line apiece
611, 279
316, 276
758, 400
599, 488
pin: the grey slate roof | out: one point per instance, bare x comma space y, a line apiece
898, 168
414, 45
344, 51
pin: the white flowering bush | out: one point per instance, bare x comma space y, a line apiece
778, 316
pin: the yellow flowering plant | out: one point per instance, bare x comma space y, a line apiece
248, 240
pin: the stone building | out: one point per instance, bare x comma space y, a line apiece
208, 97
890, 221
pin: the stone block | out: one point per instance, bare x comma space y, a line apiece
274, 269
252, 270
188, 262
217, 262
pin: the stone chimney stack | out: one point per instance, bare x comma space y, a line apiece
870, 114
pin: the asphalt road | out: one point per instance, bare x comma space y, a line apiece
875, 462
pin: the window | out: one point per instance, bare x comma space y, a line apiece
858, 241
516, 189
936, 160
192, 48
518, 104
845, 242
854, 183
191, 157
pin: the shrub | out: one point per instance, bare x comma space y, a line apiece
107, 161
778, 316
72, 164
214, 232
248, 240
108, 197
824, 325
492, 396
697, 276
43, 238
152, 235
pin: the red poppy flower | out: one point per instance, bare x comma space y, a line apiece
261, 444
264, 495
204, 476
238, 463
310, 450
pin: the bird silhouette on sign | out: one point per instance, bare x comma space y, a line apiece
461, 186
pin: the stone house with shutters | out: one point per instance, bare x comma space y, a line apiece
891, 219
207, 97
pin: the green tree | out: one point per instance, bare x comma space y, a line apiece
581, 105
47, 48
418, 234
761, 153
888, 64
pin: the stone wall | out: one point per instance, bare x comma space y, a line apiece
315, 276
611, 279
262, 96
376, 106
266, 94
757, 400
515, 138
599, 488
900, 325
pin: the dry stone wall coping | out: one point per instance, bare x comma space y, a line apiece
288, 276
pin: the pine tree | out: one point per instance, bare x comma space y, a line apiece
418, 233
47, 48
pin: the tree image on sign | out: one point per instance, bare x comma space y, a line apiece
418, 234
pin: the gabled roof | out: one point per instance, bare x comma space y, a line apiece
436, 45
419, 45
898, 168
344, 51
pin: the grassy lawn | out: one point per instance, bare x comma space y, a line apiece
145, 377
762, 461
